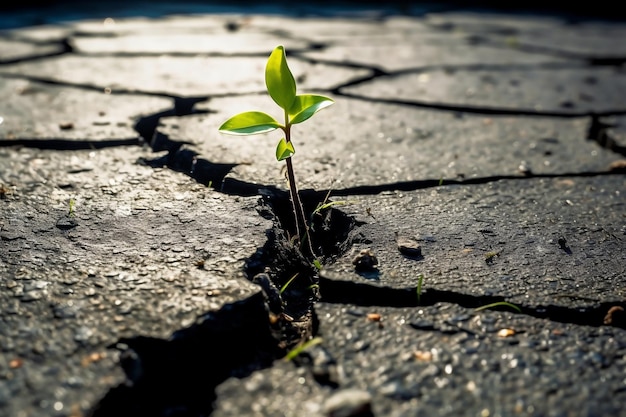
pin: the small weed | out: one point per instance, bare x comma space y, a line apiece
321, 207
72, 209
499, 304
302, 347
325, 205
286, 284
418, 290
317, 264
490, 256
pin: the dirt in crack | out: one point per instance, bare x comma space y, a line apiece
289, 279
178, 376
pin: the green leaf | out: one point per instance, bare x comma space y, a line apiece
249, 123
284, 150
302, 347
284, 287
306, 105
317, 264
278, 78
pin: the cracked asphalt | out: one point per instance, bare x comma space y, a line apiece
478, 157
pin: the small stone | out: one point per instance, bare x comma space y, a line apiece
423, 355
66, 223
271, 293
525, 169
409, 247
83, 334
70, 280
503, 333
9, 236
348, 403
365, 261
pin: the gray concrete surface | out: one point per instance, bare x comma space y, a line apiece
130, 229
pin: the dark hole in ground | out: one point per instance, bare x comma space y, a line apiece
178, 376
366, 294
285, 265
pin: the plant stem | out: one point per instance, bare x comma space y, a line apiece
298, 209
295, 199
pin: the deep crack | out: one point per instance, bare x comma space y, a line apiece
364, 294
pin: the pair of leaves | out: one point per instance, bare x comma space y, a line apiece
281, 86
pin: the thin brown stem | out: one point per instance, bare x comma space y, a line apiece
298, 208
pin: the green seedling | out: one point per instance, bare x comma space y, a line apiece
317, 264
296, 108
418, 290
490, 256
72, 210
286, 284
284, 287
325, 205
499, 304
302, 347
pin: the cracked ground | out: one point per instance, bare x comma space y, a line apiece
479, 158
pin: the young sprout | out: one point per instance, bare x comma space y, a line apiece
325, 205
72, 210
302, 347
284, 287
296, 108
317, 264
490, 256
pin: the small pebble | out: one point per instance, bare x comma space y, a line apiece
409, 247
365, 261
66, 223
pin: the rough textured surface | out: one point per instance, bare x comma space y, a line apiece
80, 114
423, 145
469, 159
501, 239
442, 360
143, 252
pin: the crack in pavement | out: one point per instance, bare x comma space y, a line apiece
611, 61
480, 109
206, 172
336, 291
153, 360
69, 145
